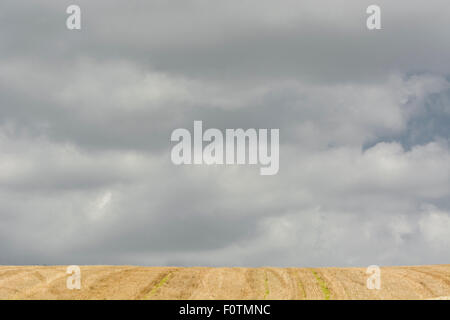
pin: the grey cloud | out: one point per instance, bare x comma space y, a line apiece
86, 117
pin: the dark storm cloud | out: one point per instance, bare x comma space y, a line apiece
253, 39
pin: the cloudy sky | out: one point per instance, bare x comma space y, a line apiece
86, 118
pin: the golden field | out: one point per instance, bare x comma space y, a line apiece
131, 282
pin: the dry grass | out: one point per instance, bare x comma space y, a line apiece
128, 282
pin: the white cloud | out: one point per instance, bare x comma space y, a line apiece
435, 226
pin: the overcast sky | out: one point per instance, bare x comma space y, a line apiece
86, 118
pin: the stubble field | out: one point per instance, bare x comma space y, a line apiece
130, 282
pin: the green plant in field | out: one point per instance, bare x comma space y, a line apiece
159, 285
323, 285
302, 289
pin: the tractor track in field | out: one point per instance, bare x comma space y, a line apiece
322, 284
438, 277
153, 287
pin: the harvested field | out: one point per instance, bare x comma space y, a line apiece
129, 282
